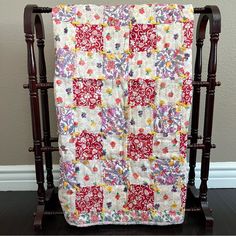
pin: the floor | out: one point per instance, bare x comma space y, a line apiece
16, 217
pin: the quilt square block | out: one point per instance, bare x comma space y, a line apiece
167, 199
142, 38
118, 15
88, 119
67, 147
67, 173
116, 39
169, 92
63, 94
89, 37
188, 33
114, 146
89, 199
140, 146
187, 11
169, 63
88, 173
89, 65
88, 146
168, 13
141, 65
65, 120
115, 93
143, 14
64, 36
115, 172
164, 147
113, 121
89, 14
64, 13
140, 172
68, 196
64, 63
167, 171
141, 120
141, 92
185, 114
115, 197
140, 197
167, 119
170, 36
116, 66
87, 92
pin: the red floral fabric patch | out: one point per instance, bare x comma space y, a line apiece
187, 92
140, 197
188, 33
89, 37
141, 92
87, 92
183, 144
89, 199
183, 195
88, 146
140, 146
143, 37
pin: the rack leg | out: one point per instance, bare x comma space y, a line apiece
195, 113
38, 217
45, 112
208, 118
35, 114
208, 122
207, 212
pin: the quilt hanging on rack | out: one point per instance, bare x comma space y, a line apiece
123, 94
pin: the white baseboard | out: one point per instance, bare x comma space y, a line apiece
22, 177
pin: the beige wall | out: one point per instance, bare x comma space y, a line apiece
15, 125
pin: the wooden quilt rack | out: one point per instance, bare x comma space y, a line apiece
42, 140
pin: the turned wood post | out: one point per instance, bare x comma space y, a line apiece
29, 20
195, 112
214, 19
208, 118
45, 110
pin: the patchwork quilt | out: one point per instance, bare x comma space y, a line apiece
123, 94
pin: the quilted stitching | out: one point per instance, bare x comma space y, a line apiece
123, 94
